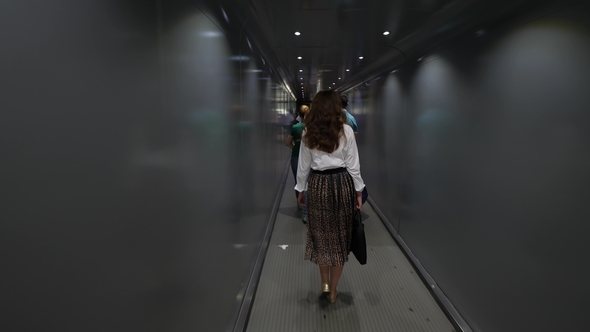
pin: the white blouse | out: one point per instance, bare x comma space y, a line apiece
345, 156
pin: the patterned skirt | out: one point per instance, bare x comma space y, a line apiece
330, 206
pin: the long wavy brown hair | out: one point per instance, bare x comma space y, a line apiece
324, 122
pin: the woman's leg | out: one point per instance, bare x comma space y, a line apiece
335, 273
325, 274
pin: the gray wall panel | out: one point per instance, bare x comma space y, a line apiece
140, 160
493, 160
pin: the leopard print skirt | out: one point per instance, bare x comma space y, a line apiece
330, 205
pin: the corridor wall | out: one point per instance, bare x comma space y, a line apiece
477, 153
142, 150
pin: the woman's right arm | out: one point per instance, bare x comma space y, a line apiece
359, 200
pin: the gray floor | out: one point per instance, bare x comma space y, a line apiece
383, 295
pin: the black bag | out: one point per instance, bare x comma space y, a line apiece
358, 244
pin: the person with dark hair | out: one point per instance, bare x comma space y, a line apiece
329, 170
349, 118
294, 141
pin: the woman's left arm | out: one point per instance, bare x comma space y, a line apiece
303, 167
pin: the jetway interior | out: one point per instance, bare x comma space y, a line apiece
143, 155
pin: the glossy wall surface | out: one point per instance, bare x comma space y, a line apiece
478, 155
142, 149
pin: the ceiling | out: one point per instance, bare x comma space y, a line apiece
335, 34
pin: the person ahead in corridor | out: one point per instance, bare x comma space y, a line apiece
329, 170
294, 142
352, 123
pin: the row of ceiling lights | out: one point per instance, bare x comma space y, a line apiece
360, 58
478, 33
297, 33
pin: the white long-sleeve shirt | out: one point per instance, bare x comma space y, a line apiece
345, 156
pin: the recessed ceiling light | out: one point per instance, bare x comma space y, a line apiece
347, 69
333, 83
297, 33
339, 78
299, 58
301, 78
360, 57
301, 70
385, 33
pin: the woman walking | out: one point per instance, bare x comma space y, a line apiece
329, 170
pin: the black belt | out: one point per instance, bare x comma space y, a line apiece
330, 171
